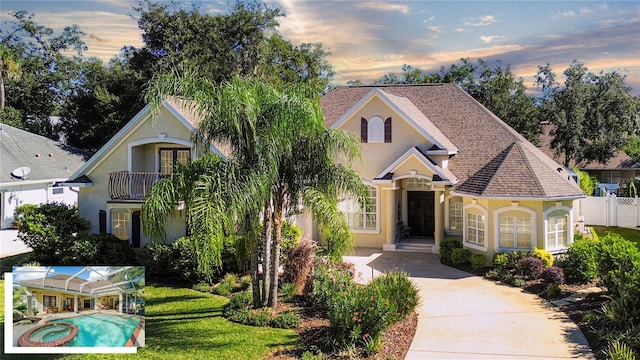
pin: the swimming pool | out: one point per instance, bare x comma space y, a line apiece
102, 330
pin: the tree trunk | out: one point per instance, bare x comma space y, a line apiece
255, 277
277, 237
1, 92
266, 261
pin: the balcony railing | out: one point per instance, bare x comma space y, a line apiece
125, 185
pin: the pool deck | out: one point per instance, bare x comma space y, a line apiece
20, 327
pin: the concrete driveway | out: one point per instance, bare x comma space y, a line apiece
467, 317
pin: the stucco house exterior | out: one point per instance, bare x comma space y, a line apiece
437, 164
115, 181
31, 170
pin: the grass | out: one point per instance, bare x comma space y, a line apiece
629, 234
186, 324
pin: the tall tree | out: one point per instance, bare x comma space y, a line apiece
281, 155
9, 69
593, 115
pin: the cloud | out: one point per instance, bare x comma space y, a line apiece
34, 272
480, 21
491, 38
97, 272
459, 30
584, 11
383, 7
435, 29
563, 15
429, 19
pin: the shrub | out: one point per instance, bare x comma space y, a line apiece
622, 312
553, 275
237, 309
245, 282
446, 248
288, 292
478, 262
619, 264
100, 249
580, 262
396, 287
501, 260
156, 259
460, 256
618, 350
517, 282
202, 287
544, 255
223, 288
50, 230
330, 279
240, 316
299, 264
494, 274
184, 262
291, 234
552, 290
260, 317
530, 267
286, 320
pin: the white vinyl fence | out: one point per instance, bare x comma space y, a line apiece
610, 211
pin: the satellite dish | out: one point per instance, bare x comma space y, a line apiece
21, 172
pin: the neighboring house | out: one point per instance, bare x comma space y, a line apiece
438, 162
115, 181
31, 168
617, 172
54, 293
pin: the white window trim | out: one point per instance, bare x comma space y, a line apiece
162, 140
546, 213
465, 229
377, 229
374, 136
447, 209
496, 225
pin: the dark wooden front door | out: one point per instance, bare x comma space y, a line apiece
135, 229
420, 213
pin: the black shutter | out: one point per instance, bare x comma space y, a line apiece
102, 221
364, 129
387, 130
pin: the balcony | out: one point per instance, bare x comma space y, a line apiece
125, 185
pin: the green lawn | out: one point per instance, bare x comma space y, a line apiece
629, 234
186, 324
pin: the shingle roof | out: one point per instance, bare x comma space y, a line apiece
619, 161
493, 159
48, 159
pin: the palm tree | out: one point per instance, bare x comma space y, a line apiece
282, 156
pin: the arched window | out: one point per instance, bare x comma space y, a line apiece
376, 130
361, 217
557, 228
475, 227
516, 228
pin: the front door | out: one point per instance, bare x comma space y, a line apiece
420, 213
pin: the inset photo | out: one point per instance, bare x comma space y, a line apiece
78, 307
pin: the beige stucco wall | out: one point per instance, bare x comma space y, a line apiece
39, 293
145, 139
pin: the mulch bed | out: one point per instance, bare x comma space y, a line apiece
315, 332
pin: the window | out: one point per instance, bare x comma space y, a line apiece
361, 217
455, 214
515, 233
170, 157
376, 130
57, 191
48, 300
120, 224
475, 229
557, 232
611, 177
418, 184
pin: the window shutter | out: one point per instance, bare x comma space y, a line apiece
102, 221
387, 130
363, 129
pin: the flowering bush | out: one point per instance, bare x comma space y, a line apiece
530, 267
553, 275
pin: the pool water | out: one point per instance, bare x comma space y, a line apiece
50, 333
101, 330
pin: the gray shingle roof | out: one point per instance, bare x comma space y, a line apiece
493, 159
48, 159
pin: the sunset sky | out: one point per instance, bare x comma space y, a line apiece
368, 39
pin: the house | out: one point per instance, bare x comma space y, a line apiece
617, 172
439, 164
115, 181
48, 291
31, 170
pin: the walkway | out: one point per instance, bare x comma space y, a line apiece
467, 317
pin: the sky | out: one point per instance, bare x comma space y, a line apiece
368, 39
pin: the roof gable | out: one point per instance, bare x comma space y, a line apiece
417, 155
407, 111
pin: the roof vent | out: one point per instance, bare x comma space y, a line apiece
21, 172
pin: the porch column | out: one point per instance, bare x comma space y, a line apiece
29, 308
75, 303
119, 302
438, 234
390, 216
